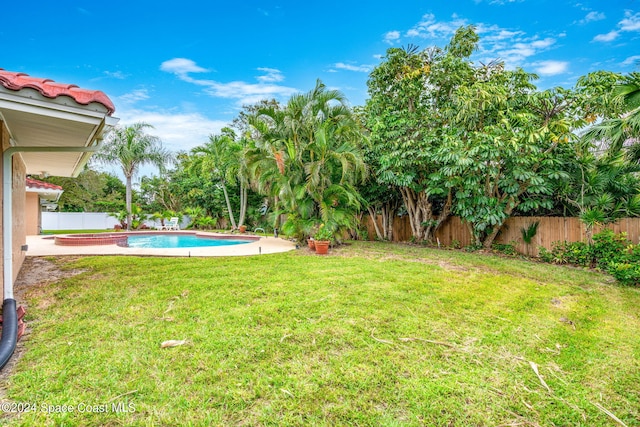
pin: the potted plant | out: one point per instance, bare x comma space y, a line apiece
323, 239
312, 243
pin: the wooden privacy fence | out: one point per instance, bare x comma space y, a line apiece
550, 229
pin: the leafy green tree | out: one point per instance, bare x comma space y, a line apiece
160, 193
129, 147
410, 92
306, 157
621, 131
602, 189
220, 159
508, 144
90, 191
603, 183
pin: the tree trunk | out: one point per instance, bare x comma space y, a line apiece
445, 213
276, 219
389, 213
488, 240
226, 198
128, 201
419, 210
243, 204
372, 215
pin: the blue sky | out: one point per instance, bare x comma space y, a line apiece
188, 67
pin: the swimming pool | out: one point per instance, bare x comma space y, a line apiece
155, 240
171, 241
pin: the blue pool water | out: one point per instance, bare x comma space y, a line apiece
171, 241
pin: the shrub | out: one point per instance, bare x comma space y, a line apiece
576, 253
610, 252
608, 248
625, 273
505, 248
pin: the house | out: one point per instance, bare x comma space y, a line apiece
46, 128
40, 196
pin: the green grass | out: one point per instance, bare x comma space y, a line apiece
110, 230
373, 334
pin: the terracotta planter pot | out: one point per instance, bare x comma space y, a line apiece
312, 244
322, 247
242, 228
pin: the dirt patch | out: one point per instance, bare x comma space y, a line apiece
36, 272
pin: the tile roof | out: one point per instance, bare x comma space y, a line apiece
51, 89
35, 184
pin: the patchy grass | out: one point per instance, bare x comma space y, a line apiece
373, 334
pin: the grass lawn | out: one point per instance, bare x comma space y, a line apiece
102, 230
373, 334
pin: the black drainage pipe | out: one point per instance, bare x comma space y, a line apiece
9, 331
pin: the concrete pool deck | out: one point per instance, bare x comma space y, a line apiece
44, 245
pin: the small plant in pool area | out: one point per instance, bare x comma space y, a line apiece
324, 233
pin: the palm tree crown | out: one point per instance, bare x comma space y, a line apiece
130, 147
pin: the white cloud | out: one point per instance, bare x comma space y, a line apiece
514, 47
272, 75
181, 66
391, 36
135, 96
177, 131
592, 17
610, 36
551, 68
521, 48
115, 74
495, 34
244, 93
428, 27
631, 22
631, 60
358, 68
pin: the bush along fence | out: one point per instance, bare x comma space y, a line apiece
610, 252
454, 232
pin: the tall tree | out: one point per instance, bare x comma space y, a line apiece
510, 146
410, 91
91, 191
221, 159
129, 147
306, 156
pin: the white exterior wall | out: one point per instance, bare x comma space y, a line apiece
87, 221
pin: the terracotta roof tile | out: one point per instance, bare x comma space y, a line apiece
51, 89
34, 183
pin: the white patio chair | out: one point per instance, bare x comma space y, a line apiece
173, 224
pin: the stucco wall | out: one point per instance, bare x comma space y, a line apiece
32, 214
18, 200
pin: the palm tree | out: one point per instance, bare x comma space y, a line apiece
603, 189
306, 156
622, 133
221, 159
130, 148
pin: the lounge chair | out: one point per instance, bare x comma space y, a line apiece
173, 224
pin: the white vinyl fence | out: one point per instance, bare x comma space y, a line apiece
83, 221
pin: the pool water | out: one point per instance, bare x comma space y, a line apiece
167, 241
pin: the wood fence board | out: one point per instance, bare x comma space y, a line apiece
550, 230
